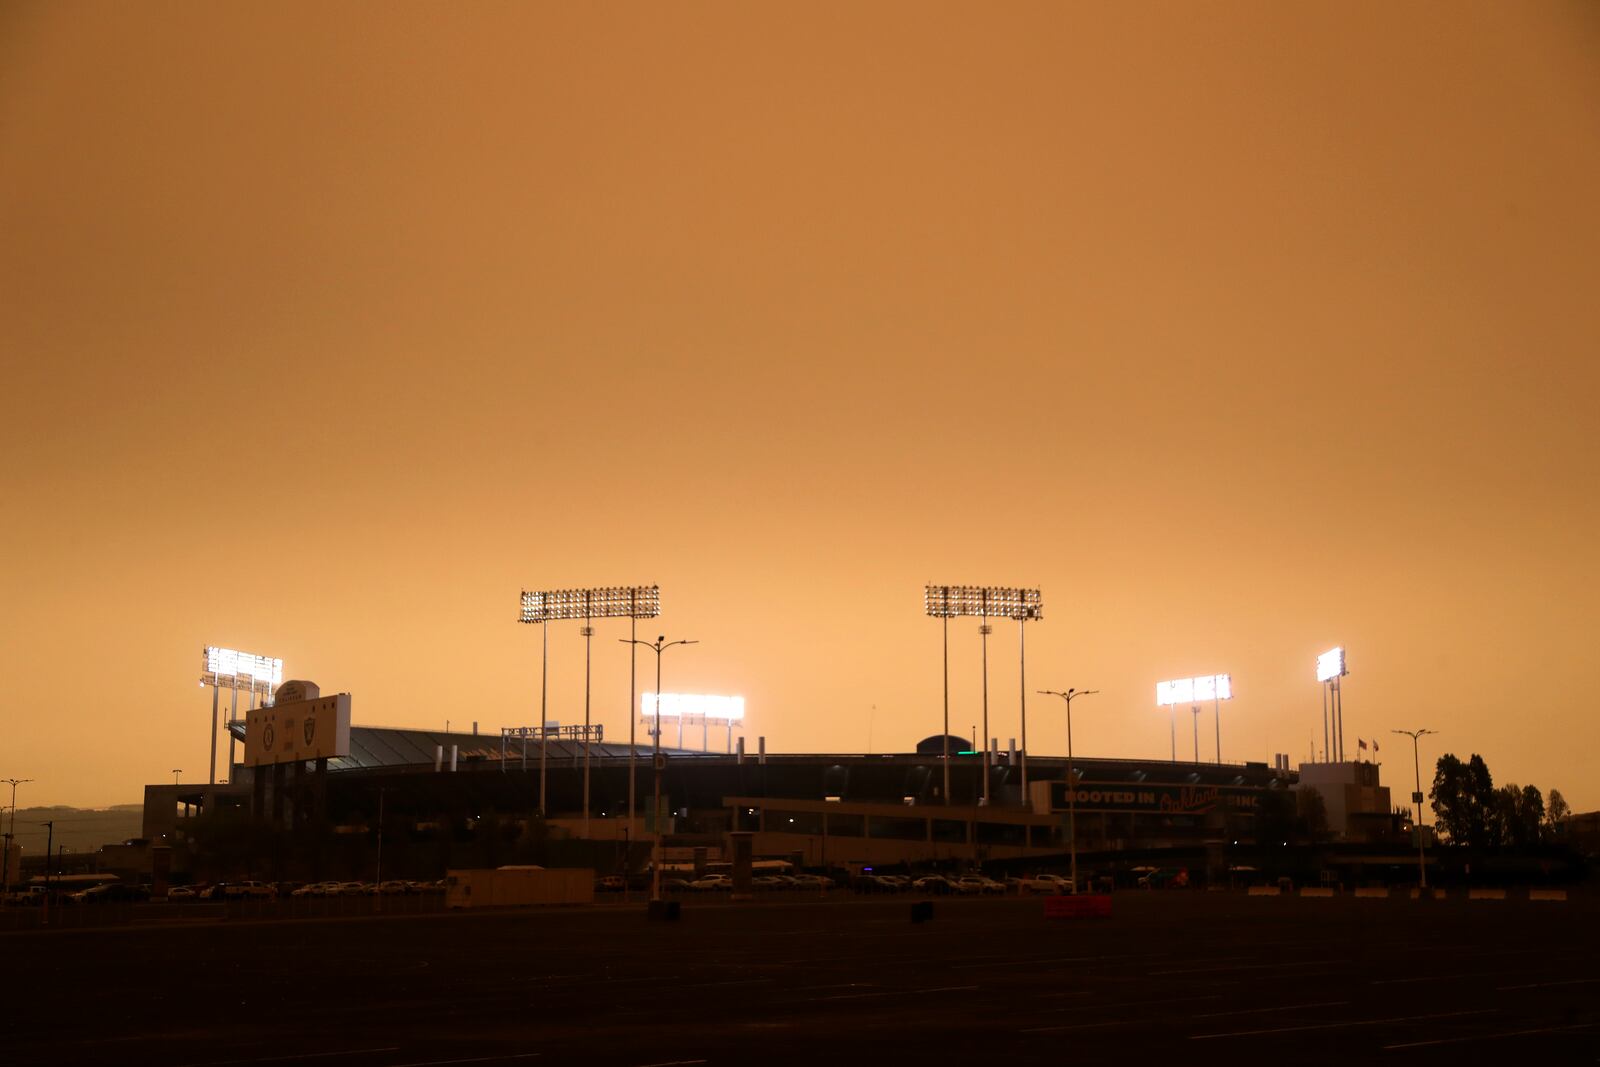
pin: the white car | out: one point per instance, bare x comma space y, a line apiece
977, 883
1046, 883
712, 882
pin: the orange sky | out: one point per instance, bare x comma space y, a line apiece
1241, 330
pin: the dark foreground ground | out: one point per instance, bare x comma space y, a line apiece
1171, 978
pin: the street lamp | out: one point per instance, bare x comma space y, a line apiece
1072, 786
175, 772
658, 646
1416, 798
5, 864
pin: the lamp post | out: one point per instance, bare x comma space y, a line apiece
658, 646
1416, 762
1072, 786
5, 863
175, 772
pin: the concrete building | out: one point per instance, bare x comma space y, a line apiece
1357, 804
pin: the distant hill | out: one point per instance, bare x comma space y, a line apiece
79, 829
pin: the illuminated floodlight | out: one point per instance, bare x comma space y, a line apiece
228, 668
1331, 665
696, 706
611, 602
983, 601
1177, 691
1213, 687
1194, 690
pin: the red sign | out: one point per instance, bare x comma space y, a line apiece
1083, 906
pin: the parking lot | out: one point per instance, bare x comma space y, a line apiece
1201, 976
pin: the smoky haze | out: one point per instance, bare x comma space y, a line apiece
1241, 332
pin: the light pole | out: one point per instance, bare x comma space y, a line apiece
175, 772
658, 646
588, 639
1023, 618
1072, 786
984, 630
983, 602
610, 602
5, 863
1416, 762
229, 667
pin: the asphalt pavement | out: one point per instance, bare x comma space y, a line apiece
1182, 976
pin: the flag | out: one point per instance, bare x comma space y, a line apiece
1361, 744
1374, 746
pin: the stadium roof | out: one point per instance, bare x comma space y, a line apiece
375, 747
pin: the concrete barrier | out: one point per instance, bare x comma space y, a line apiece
1316, 891
1547, 894
1426, 894
1486, 894
1373, 894
1264, 891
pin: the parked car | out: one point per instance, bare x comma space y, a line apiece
711, 882
673, 885
977, 883
812, 881
1045, 883
111, 893
933, 883
181, 892
245, 890
1165, 878
611, 883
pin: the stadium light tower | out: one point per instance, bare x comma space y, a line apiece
608, 602
983, 602
1215, 688
228, 668
1330, 668
1170, 695
1072, 786
1416, 798
658, 646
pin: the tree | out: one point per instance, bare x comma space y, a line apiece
1465, 806
1556, 813
1517, 816
1449, 798
1482, 829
